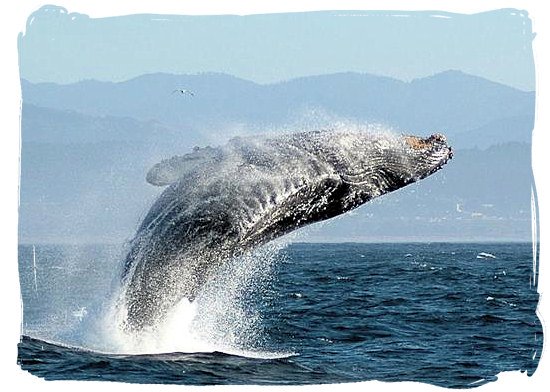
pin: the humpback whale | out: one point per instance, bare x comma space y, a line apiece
222, 202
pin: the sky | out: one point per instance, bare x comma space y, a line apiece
64, 47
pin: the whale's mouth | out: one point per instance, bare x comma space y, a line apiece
440, 151
433, 150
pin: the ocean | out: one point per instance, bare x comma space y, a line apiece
447, 314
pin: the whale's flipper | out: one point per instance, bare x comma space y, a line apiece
170, 170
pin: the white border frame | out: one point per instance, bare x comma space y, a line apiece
15, 21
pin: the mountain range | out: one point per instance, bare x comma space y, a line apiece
87, 146
451, 102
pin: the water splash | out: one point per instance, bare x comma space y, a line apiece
34, 268
223, 318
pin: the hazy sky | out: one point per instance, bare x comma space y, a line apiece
66, 47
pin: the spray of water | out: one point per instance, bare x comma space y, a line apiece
34, 269
224, 317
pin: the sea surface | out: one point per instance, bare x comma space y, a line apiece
447, 314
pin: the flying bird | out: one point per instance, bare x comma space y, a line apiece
183, 91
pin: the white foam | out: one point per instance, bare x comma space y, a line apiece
217, 321
485, 255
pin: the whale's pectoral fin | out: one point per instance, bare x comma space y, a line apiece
170, 170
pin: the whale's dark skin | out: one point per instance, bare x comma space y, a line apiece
222, 202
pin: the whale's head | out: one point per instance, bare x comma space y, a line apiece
372, 164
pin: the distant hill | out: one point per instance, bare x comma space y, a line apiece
451, 102
65, 127
86, 148
97, 192
86, 192
508, 129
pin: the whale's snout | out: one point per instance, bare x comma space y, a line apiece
429, 154
438, 141
435, 144
419, 143
438, 138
